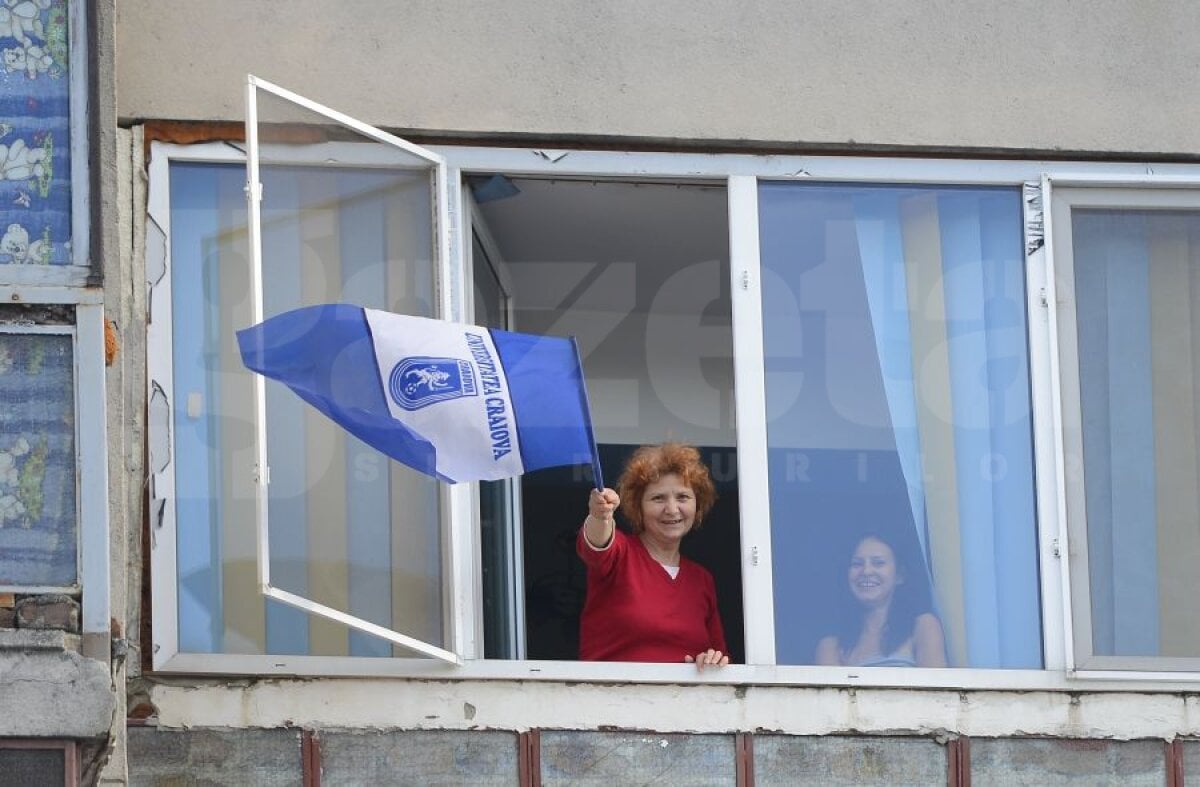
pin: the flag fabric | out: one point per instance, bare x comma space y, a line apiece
455, 401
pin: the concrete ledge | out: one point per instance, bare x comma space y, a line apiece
53, 692
38, 639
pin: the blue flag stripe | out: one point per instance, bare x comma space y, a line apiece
325, 355
544, 383
597, 473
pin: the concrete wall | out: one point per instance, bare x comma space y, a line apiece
422, 757
1018, 761
271, 758
1106, 76
549, 757
55, 684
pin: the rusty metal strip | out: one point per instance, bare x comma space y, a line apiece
1175, 774
535, 758
71, 763
183, 132
524, 776
744, 751
958, 762
310, 758
529, 759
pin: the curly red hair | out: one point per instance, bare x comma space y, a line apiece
650, 463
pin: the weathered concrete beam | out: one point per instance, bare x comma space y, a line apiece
47, 690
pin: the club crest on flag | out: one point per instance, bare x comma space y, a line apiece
419, 381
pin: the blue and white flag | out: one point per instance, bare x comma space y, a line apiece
454, 401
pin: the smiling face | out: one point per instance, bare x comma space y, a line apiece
873, 575
668, 509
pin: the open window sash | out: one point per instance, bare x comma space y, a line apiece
1126, 254
303, 136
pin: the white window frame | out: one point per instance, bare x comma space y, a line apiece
437, 166
741, 175
160, 374
91, 451
472, 226
1145, 192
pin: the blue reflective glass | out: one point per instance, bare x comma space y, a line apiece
347, 528
1137, 293
899, 426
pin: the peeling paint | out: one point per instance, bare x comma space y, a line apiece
553, 156
1035, 218
159, 417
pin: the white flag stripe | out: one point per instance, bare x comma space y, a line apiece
423, 362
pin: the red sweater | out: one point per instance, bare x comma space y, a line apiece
636, 612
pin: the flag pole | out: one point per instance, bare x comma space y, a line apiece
597, 475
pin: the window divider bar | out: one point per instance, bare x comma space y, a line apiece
1042, 349
460, 502
1064, 637
758, 597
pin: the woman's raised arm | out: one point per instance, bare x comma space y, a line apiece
598, 527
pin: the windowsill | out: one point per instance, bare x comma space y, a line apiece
734, 674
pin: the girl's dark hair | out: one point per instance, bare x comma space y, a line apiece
911, 599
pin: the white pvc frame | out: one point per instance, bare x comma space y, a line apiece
1133, 192
741, 173
262, 471
474, 226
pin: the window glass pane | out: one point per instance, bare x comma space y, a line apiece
348, 528
35, 143
38, 523
899, 428
639, 272
1137, 282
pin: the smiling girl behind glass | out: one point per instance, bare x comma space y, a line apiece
888, 620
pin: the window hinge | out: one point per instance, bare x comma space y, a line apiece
1055, 549
754, 556
253, 190
1042, 297
263, 475
745, 280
